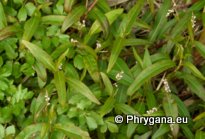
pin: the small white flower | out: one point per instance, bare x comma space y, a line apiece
73, 40
169, 12
193, 20
60, 66
119, 75
115, 84
166, 86
47, 99
98, 44
154, 109
83, 23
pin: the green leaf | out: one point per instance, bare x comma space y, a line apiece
160, 20
108, 106
72, 131
194, 84
53, 19
22, 14
3, 21
126, 109
129, 19
164, 128
200, 47
181, 25
136, 42
113, 128
197, 6
194, 70
72, 17
10, 130
30, 27
148, 73
102, 19
2, 131
171, 109
41, 71
183, 110
59, 79
9, 31
107, 83
92, 66
199, 134
187, 131
40, 55
117, 47
91, 123
68, 5
111, 17
80, 87
28, 131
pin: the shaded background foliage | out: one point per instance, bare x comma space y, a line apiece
67, 68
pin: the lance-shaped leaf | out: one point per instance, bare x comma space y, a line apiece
102, 19
107, 83
164, 128
111, 17
68, 4
200, 47
108, 106
91, 65
117, 47
148, 73
160, 20
30, 27
72, 131
81, 88
40, 55
194, 70
194, 84
128, 20
199, 134
73, 17
3, 22
28, 131
59, 80
171, 109
9, 31
53, 19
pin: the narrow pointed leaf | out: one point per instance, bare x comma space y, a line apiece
128, 21
117, 47
102, 19
3, 21
30, 27
194, 70
160, 20
40, 55
107, 83
81, 88
29, 131
59, 80
200, 47
194, 84
111, 17
72, 131
9, 31
148, 73
73, 17
199, 134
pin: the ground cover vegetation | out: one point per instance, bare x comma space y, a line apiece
68, 67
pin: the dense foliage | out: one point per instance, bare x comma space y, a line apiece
68, 67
